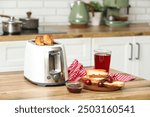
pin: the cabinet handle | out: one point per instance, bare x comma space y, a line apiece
138, 55
131, 56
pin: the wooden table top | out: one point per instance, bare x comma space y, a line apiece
14, 86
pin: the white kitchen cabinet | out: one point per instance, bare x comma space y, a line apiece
141, 57
77, 48
129, 54
12, 55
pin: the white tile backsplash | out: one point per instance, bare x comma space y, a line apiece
30, 4
8, 4
56, 3
15, 12
143, 17
132, 18
57, 11
56, 19
44, 12
143, 3
63, 11
134, 10
148, 11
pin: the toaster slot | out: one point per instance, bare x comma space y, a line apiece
54, 60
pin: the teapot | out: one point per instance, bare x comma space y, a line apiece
79, 14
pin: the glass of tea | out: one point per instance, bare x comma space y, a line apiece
102, 59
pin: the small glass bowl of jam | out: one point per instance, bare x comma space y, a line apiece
74, 86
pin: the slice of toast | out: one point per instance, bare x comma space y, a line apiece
96, 75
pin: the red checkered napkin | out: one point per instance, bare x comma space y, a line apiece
121, 77
76, 71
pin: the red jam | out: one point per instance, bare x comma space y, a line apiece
74, 88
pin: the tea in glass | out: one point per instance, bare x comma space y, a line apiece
102, 59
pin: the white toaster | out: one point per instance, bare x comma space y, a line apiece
45, 65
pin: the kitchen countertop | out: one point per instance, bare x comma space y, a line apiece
66, 31
14, 86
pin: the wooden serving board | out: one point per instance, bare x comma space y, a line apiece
95, 87
116, 85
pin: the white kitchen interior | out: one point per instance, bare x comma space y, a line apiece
56, 12
56, 52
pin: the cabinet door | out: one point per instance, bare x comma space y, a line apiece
12, 55
142, 56
77, 48
121, 51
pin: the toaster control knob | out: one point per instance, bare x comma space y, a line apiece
56, 77
48, 77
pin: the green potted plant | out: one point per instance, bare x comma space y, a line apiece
95, 9
95, 6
